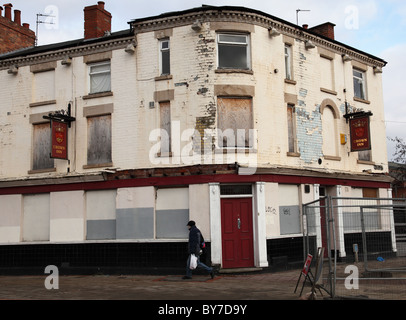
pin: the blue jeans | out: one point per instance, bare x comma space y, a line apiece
199, 264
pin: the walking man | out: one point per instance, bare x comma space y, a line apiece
194, 248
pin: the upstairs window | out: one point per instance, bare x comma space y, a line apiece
42, 147
291, 129
235, 123
288, 62
359, 84
99, 141
233, 51
100, 77
165, 115
164, 61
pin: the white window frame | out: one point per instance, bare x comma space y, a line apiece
246, 44
362, 79
107, 72
161, 50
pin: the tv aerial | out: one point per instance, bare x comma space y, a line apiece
297, 14
39, 21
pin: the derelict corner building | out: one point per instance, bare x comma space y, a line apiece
224, 115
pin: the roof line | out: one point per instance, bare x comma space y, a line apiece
205, 8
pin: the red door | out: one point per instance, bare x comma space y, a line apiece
237, 233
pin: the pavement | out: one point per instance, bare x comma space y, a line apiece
259, 286
255, 286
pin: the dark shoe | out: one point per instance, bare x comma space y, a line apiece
212, 274
186, 278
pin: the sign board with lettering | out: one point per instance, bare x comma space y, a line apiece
59, 140
360, 134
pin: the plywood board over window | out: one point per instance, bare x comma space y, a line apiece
99, 140
234, 122
289, 209
44, 86
42, 147
165, 122
172, 213
36, 217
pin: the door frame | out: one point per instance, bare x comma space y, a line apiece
258, 225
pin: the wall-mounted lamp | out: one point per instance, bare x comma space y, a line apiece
346, 58
273, 32
130, 48
309, 45
197, 26
13, 70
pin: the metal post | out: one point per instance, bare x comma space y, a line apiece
364, 239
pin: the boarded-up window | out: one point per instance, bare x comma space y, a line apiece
42, 147
288, 62
365, 155
36, 217
101, 215
165, 119
327, 73
172, 213
99, 140
330, 137
44, 86
291, 129
235, 122
289, 211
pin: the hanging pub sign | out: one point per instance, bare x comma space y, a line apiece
59, 140
60, 122
360, 134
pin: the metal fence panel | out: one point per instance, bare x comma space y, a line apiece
364, 241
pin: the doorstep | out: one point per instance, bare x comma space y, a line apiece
240, 270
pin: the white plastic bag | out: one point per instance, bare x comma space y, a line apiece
193, 262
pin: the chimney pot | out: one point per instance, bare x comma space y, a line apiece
17, 17
305, 26
100, 4
8, 7
26, 25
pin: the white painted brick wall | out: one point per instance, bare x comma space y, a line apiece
193, 61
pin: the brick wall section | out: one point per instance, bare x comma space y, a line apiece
13, 35
97, 21
325, 29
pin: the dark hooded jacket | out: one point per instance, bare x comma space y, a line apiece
194, 240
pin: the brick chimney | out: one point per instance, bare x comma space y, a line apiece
97, 21
325, 30
7, 8
13, 35
17, 17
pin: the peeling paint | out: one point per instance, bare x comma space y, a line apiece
309, 134
303, 93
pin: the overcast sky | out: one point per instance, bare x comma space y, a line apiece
374, 26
